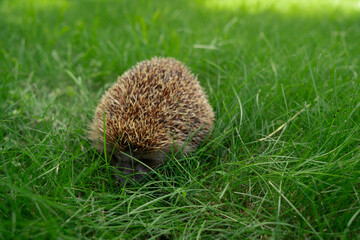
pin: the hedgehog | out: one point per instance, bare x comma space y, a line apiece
156, 108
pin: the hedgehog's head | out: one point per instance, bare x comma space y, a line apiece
133, 166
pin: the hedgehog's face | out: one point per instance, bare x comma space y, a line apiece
130, 167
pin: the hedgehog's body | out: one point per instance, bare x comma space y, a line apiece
154, 108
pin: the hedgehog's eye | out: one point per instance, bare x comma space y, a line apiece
146, 161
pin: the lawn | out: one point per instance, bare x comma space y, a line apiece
283, 161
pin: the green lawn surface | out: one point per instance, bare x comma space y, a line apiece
283, 161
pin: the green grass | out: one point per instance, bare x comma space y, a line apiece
261, 62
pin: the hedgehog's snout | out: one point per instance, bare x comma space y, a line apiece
127, 168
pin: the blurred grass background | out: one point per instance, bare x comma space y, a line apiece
260, 62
